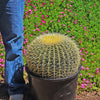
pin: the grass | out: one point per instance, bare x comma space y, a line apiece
80, 19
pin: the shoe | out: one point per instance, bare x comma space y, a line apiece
4, 91
16, 97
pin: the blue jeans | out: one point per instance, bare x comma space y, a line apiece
11, 28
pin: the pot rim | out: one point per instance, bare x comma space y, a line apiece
42, 78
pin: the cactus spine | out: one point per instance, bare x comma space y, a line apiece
53, 56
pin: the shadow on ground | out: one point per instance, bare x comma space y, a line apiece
27, 95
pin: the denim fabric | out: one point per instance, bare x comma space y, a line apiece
11, 28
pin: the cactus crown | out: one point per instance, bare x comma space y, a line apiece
51, 39
53, 56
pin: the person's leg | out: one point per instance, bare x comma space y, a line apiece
11, 27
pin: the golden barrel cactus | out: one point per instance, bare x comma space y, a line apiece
53, 56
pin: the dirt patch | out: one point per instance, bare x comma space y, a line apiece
88, 96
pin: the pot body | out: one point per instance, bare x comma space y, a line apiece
54, 89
